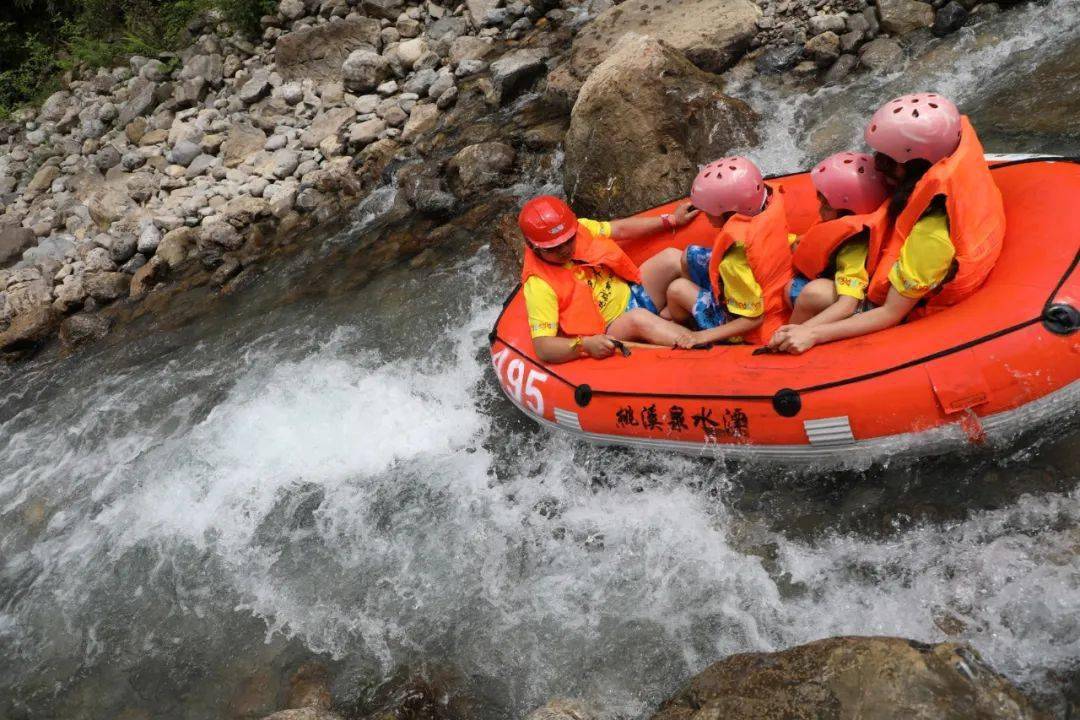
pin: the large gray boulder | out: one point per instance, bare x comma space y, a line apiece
644, 122
903, 16
871, 678
318, 52
711, 33
364, 70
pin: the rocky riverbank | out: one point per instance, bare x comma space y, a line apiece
191, 170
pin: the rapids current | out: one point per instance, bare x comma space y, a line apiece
188, 514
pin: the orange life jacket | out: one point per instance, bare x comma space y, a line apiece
976, 222
816, 249
764, 237
578, 311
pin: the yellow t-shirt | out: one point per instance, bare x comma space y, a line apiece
742, 294
925, 257
610, 292
851, 277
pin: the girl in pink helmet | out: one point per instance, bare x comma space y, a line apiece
947, 218
734, 290
834, 259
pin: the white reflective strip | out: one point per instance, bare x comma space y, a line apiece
568, 420
829, 431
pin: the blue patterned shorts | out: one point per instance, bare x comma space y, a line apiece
640, 299
707, 312
797, 285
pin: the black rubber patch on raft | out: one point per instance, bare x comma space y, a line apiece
787, 402
1061, 319
582, 395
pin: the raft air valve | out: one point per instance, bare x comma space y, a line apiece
1061, 318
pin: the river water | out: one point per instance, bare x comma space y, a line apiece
320, 472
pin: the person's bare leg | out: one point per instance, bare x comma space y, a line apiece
681, 297
815, 297
657, 273
641, 325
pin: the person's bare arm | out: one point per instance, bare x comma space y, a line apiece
734, 328
800, 338
636, 227
844, 307
556, 350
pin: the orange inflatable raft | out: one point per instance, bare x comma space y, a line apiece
1001, 362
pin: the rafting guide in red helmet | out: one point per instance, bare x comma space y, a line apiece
582, 292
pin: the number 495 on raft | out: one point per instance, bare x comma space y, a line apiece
520, 382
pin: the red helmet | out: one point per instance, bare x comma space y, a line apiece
923, 125
547, 221
849, 181
731, 184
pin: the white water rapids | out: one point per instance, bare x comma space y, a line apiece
342, 479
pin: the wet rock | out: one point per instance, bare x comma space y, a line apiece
176, 245
309, 687
643, 123
319, 52
516, 71
387, 9
122, 247
835, 678
105, 287
479, 167
308, 713
220, 234
824, 48
949, 18
1047, 102
331, 123
843, 67
903, 16
711, 33
70, 295
778, 59
241, 142
28, 330
367, 131
982, 11
228, 269
565, 709
80, 329
240, 212
13, 241
881, 55
365, 70
422, 119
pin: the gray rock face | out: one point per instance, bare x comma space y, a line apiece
291, 9
142, 101
210, 67
644, 121
327, 124
149, 238
241, 142
841, 69
105, 287
184, 152
516, 71
365, 70
80, 329
711, 33
319, 52
447, 28
254, 89
904, 16
388, 9
478, 167
832, 678
881, 55
13, 241
106, 158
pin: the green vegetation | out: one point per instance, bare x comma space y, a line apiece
39, 39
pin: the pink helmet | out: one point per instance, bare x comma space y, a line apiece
923, 125
728, 184
849, 181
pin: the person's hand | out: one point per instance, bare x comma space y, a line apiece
779, 336
683, 214
598, 346
796, 339
689, 339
